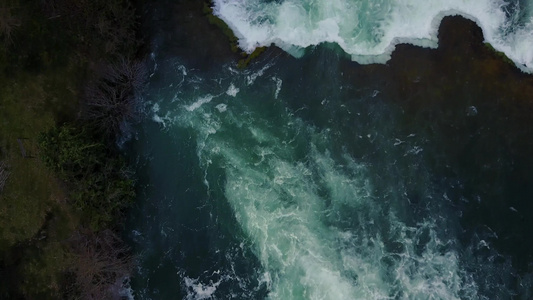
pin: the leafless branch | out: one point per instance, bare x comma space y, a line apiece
109, 21
8, 23
4, 175
113, 100
102, 262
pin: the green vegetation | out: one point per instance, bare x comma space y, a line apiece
243, 63
499, 54
61, 179
98, 183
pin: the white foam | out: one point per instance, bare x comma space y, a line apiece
196, 290
221, 107
163, 120
279, 82
312, 219
295, 232
125, 291
199, 102
368, 30
232, 90
250, 79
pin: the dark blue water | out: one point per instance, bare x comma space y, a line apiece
319, 178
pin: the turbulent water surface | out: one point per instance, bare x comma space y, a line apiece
368, 29
292, 180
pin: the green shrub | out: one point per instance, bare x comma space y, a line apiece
98, 182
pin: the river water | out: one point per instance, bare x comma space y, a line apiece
312, 175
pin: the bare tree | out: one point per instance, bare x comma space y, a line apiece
8, 23
112, 101
101, 264
116, 26
4, 175
109, 24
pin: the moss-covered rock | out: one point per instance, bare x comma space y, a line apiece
499, 54
233, 40
216, 21
243, 63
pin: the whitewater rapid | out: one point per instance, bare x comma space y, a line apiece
308, 210
291, 180
368, 30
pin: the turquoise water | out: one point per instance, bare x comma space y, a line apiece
292, 179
